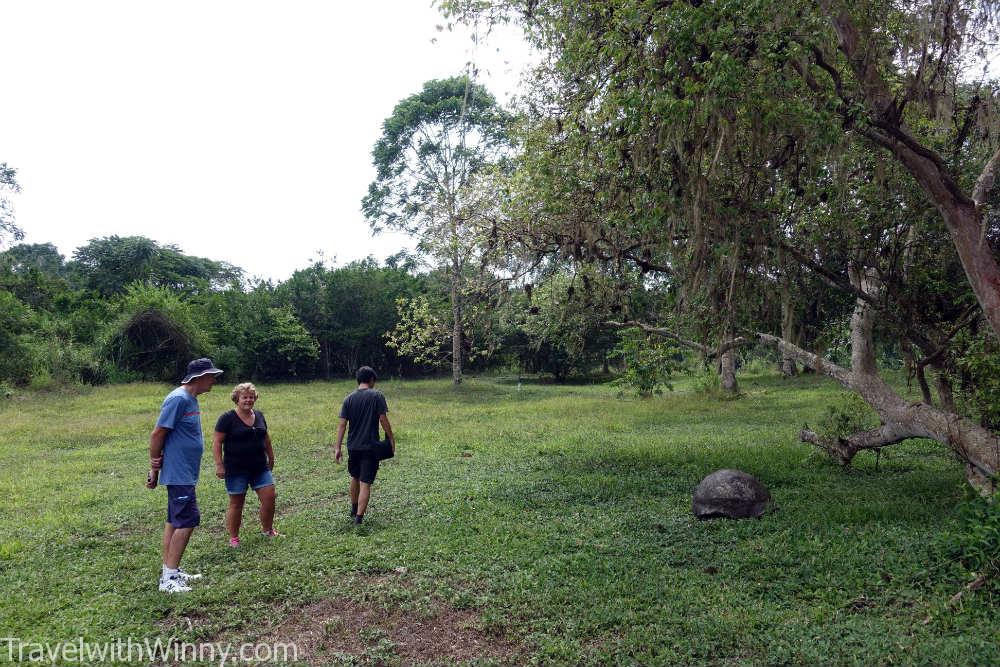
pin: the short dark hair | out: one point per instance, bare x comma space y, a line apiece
366, 375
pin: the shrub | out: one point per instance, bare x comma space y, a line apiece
155, 335
975, 545
978, 365
649, 363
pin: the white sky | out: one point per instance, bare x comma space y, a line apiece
239, 130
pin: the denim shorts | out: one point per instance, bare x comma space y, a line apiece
238, 483
182, 506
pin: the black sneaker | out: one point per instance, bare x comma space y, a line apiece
358, 518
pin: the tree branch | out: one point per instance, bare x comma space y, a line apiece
844, 449
813, 361
709, 352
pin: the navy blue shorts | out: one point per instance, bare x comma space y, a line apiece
362, 466
182, 506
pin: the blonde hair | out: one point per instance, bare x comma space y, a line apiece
241, 388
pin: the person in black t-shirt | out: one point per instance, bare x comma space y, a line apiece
364, 409
244, 457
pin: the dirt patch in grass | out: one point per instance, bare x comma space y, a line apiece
343, 630
175, 622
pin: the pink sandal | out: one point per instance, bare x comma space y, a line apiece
270, 533
234, 542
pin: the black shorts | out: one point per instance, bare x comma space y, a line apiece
362, 466
182, 506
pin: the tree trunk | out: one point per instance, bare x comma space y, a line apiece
945, 395
457, 335
727, 367
925, 389
975, 446
788, 365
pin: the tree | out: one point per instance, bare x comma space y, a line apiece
44, 257
8, 184
703, 140
258, 337
155, 334
433, 147
348, 310
107, 265
942, 33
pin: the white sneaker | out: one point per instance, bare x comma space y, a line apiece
173, 585
186, 577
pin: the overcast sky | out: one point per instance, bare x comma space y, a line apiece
238, 130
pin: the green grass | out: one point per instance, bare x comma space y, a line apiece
559, 515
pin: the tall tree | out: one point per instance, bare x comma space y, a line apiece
107, 265
8, 184
704, 138
433, 147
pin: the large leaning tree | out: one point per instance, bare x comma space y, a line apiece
434, 149
730, 144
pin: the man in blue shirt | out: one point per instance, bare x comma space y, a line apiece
175, 449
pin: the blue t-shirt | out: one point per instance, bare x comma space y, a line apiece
184, 445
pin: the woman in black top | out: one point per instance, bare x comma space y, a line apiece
244, 458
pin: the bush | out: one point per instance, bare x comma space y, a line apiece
281, 347
649, 363
57, 361
978, 365
16, 321
846, 416
975, 546
155, 335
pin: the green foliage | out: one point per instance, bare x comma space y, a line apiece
421, 333
155, 334
16, 320
25, 257
649, 362
978, 364
845, 416
108, 265
257, 338
975, 543
348, 310
706, 381
280, 346
8, 185
563, 320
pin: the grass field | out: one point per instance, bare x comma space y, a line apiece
546, 525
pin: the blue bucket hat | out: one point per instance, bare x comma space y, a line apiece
200, 367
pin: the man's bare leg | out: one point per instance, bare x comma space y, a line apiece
175, 540
363, 493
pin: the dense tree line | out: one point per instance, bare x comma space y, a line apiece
128, 308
